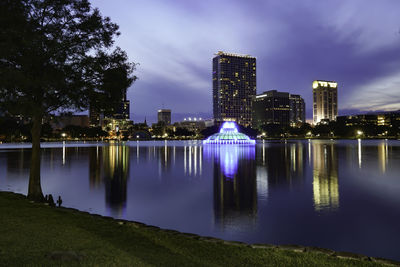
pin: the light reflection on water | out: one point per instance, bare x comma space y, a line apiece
341, 195
325, 177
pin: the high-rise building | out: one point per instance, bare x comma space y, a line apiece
271, 107
297, 110
325, 101
119, 112
278, 108
234, 86
95, 116
122, 109
164, 116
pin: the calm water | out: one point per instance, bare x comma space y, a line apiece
343, 195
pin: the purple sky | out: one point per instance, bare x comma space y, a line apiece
353, 42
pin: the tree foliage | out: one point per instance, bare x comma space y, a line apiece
55, 56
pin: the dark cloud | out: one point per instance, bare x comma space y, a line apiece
355, 43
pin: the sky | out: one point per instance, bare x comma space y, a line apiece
353, 42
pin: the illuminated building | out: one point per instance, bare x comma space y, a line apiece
164, 116
192, 124
325, 177
297, 110
229, 134
115, 119
234, 86
278, 108
325, 101
115, 127
390, 119
271, 107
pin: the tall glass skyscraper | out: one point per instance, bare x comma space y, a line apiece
325, 101
234, 86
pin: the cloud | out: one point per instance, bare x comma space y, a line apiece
381, 94
356, 43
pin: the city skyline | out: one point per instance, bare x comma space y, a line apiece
355, 43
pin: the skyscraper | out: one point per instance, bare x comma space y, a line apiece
234, 86
164, 116
278, 108
95, 116
271, 107
297, 110
122, 109
325, 103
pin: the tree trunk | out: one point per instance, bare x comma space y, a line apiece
35, 188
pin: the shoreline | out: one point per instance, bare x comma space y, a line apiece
294, 252
151, 140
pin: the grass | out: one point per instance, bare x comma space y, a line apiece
33, 234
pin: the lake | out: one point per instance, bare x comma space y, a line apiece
337, 194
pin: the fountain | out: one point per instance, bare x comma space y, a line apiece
229, 134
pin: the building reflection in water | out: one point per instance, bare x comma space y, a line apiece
18, 162
325, 177
111, 164
235, 184
359, 153
95, 156
164, 158
283, 163
63, 153
192, 159
383, 155
116, 169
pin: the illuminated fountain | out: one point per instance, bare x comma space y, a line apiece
229, 134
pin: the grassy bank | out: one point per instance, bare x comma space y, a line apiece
36, 234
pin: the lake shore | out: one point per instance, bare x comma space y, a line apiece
259, 140
36, 234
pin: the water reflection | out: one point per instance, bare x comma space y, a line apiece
18, 162
383, 155
111, 165
325, 177
359, 153
283, 164
192, 159
235, 184
251, 194
95, 166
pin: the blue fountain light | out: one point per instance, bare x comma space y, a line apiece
229, 134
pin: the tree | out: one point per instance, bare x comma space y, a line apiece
57, 56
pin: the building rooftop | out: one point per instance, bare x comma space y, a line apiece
222, 53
